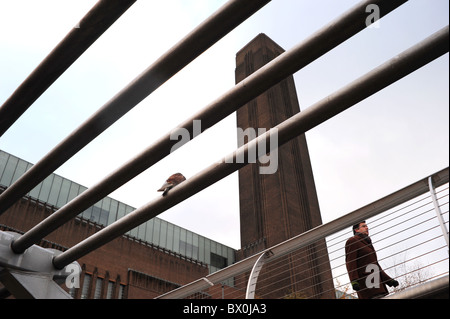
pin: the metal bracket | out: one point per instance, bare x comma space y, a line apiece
438, 211
208, 281
251, 286
31, 285
32, 274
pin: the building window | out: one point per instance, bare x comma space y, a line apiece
98, 288
109, 291
121, 292
218, 261
85, 289
72, 292
188, 250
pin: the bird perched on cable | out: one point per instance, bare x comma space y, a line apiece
171, 182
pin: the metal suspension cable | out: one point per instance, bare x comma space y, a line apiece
390, 220
195, 43
274, 273
379, 78
391, 213
403, 240
74, 44
406, 249
329, 240
278, 69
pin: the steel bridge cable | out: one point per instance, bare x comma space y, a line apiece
225, 19
404, 250
74, 44
340, 242
255, 84
277, 275
391, 71
405, 239
397, 243
397, 252
330, 240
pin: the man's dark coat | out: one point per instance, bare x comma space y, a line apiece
359, 254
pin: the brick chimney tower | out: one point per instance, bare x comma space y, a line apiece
276, 207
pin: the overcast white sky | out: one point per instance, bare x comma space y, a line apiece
382, 144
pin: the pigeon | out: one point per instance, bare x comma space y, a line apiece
171, 182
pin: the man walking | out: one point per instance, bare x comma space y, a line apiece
366, 275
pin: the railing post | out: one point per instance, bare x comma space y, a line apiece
438, 211
251, 286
